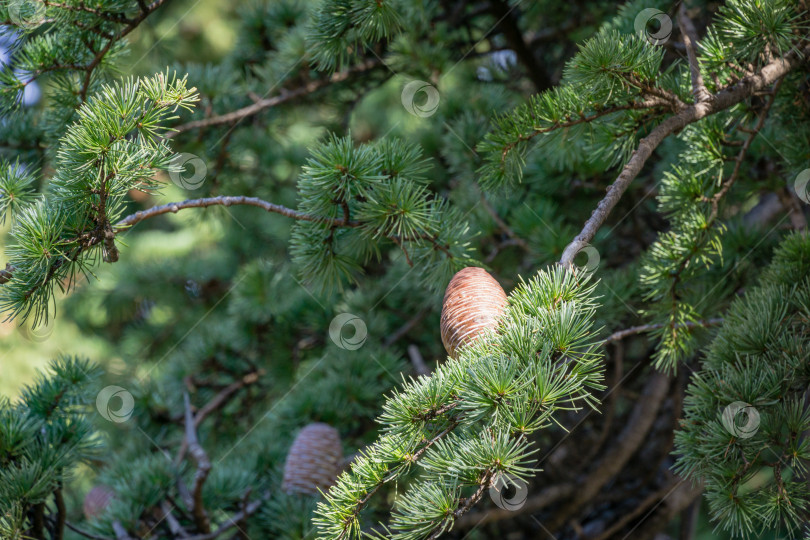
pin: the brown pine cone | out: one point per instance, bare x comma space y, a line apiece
313, 461
472, 303
96, 500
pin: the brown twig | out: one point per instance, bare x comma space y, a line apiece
583, 119
720, 101
283, 97
403, 330
131, 25
738, 160
466, 504
218, 401
621, 334
203, 468
690, 41
532, 505
86, 534
417, 361
233, 521
518, 241
173, 208
628, 441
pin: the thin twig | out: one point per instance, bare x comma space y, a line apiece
690, 41
621, 334
203, 468
418, 362
738, 160
405, 328
86, 534
233, 521
283, 97
532, 505
132, 25
173, 208
524, 245
720, 101
218, 401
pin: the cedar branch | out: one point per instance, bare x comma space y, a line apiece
720, 101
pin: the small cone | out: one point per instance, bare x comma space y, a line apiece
97, 500
473, 302
313, 461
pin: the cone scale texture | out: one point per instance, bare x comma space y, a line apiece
473, 302
313, 462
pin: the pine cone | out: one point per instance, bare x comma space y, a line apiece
473, 302
313, 461
96, 500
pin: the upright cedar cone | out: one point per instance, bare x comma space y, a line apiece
313, 461
473, 302
97, 500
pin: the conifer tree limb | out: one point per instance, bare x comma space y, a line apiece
621, 334
720, 101
84, 533
81, 7
508, 25
233, 521
735, 173
218, 401
131, 25
175, 207
283, 97
546, 498
690, 41
203, 468
638, 425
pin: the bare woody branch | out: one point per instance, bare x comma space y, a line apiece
173, 208
218, 401
203, 468
621, 334
233, 521
283, 97
720, 101
632, 436
690, 41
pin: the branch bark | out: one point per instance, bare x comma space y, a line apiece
233, 521
621, 334
629, 440
175, 207
220, 399
720, 101
283, 97
203, 468
690, 41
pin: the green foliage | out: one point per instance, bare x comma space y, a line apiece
234, 306
751, 458
375, 192
43, 437
342, 25
470, 421
592, 109
115, 146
